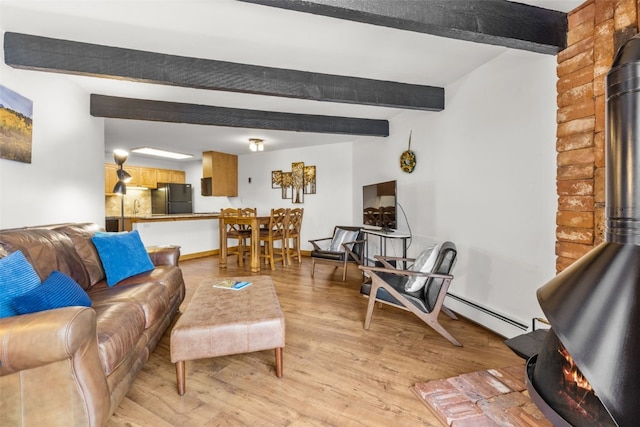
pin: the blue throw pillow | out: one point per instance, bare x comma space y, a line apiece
58, 290
122, 254
17, 277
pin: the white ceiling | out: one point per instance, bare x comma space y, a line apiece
250, 34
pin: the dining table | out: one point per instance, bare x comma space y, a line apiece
254, 222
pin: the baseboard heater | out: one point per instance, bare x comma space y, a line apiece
485, 310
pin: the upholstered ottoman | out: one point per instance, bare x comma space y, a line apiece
219, 322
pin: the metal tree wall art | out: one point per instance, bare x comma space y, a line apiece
301, 180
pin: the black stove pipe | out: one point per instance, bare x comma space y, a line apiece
594, 305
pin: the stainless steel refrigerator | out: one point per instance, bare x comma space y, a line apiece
171, 199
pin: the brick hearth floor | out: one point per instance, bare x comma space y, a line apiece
496, 397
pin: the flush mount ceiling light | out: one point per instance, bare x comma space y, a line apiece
255, 144
161, 153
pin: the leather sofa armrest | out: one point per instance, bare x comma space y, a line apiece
164, 255
37, 339
52, 357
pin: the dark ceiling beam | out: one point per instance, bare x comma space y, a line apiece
502, 23
174, 112
62, 56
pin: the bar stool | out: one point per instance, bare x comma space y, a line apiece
238, 232
292, 235
273, 233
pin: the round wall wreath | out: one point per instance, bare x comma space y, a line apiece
408, 159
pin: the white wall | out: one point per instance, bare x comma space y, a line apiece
64, 181
330, 206
485, 179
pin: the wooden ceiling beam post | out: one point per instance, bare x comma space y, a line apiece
69, 57
174, 112
502, 23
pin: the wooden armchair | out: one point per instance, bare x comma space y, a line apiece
344, 247
388, 287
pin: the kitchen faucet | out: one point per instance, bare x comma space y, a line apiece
136, 205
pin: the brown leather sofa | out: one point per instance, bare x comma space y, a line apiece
73, 366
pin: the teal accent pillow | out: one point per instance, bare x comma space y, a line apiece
17, 277
58, 290
122, 254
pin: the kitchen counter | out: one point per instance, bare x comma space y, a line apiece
174, 217
196, 234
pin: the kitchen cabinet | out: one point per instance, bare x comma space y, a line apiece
134, 171
171, 176
141, 176
148, 177
112, 224
221, 169
178, 177
163, 175
110, 177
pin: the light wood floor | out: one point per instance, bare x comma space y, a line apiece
335, 372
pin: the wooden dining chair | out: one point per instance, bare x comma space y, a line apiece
274, 232
238, 232
292, 235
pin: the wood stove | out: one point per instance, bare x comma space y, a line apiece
588, 370
561, 391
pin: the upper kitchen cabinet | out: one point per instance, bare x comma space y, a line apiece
220, 174
148, 177
141, 176
110, 177
134, 171
171, 176
178, 177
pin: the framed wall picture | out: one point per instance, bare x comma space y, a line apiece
297, 182
309, 180
16, 116
276, 179
286, 185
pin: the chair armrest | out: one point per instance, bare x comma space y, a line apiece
350, 252
164, 255
315, 246
404, 272
385, 260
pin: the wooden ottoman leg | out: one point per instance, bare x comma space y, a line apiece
180, 377
279, 362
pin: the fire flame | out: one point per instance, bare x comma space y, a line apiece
571, 371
